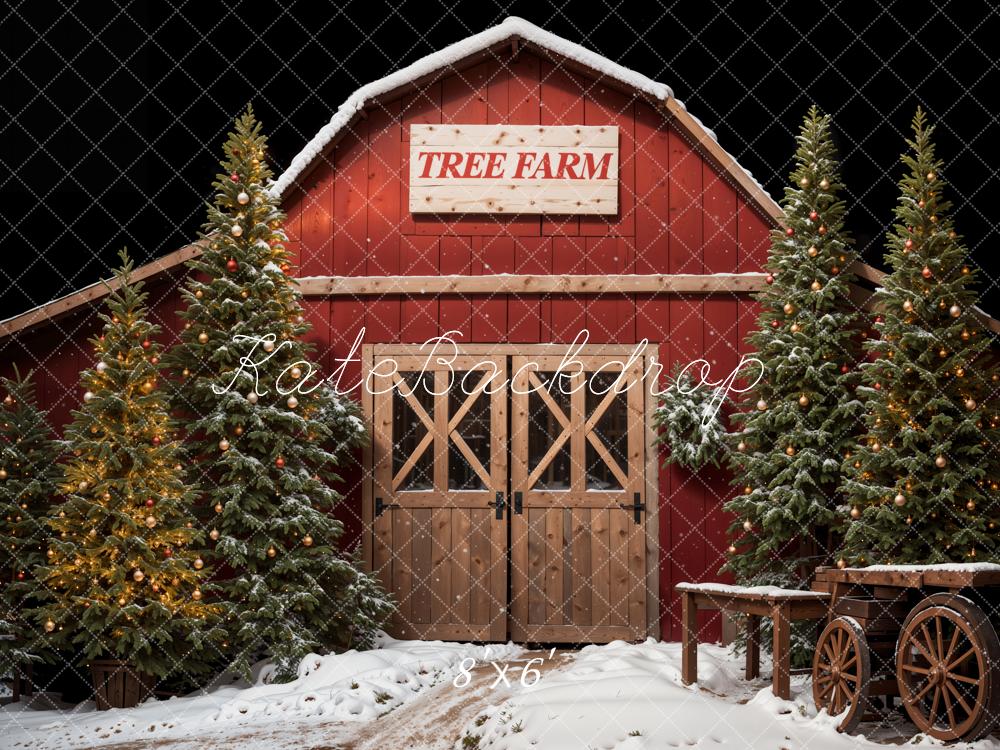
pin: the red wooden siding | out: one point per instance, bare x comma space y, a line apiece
677, 215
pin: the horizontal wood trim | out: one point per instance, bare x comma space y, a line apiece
65, 305
331, 286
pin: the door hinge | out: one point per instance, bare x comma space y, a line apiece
380, 506
637, 507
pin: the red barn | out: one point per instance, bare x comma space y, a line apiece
552, 191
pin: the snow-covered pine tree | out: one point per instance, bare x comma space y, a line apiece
801, 419
690, 421
29, 472
264, 452
123, 578
923, 485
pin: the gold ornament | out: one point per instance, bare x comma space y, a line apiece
218, 507
815, 286
3, 473
295, 372
271, 551
732, 549
790, 450
741, 446
147, 387
841, 563
199, 294
138, 575
82, 486
213, 534
762, 405
855, 512
900, 499
238, 431
908, 306
794, 328
202, 338
150, 522
955, 311
292, 402
804, 182
748, 525
199, 563
307, 541
223, 445
747, 490
196, 595
970, 404
803, 400
813, 251
789, 308
940, 462
931, 176
971, 505
49, 626
824, 183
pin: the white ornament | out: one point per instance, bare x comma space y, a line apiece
236, 231
268, 345
252, 397
292, 402
88, 396
223, 445
243, 198
150, 522
295, 372
102, 366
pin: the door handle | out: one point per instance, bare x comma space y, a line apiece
519, 503
499, 505
380, 506
637, 507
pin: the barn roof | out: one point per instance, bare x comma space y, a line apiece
513, 32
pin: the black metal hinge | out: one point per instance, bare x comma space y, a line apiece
380, 506
499, 505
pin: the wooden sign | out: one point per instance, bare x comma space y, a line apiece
513, 169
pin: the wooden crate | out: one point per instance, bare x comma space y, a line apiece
117, 684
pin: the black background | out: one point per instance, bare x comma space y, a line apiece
113, 113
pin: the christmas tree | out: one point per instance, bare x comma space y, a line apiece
28, 476
923, 482
123, 577
798, 422
266, 440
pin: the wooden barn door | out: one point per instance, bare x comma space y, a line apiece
440, 466
578, 538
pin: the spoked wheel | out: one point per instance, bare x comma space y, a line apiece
947, 668
842, 671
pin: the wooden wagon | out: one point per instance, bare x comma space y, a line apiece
923, 634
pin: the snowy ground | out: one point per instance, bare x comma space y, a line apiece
619, 696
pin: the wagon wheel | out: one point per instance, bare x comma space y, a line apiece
842, 671
947, 667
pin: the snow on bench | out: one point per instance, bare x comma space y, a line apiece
748, 592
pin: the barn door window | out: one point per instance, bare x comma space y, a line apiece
469, 433
549, 460
413, 431
606, 429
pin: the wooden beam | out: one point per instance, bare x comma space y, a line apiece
690, 283
65, 305
723, 159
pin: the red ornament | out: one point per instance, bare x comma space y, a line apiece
908, 244
790, 232
234, 177
232, 265
822, 229
20, 575
878, 386
774, 324
279, 462
156, 439
150, 502
813, 216
146, 344
845, 369
101, 337
769, 278
878, 318
167, 552
926, 273
154, 360
285, 268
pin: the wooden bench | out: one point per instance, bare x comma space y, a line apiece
783, 606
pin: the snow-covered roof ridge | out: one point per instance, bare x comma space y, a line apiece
512, 26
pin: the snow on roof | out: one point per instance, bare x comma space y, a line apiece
452, 54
